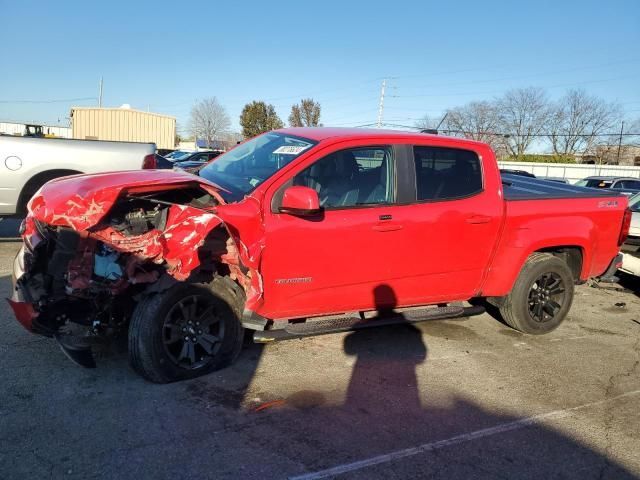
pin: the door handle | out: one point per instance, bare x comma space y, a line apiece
478, 219
387, 227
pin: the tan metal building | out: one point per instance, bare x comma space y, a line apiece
123, 125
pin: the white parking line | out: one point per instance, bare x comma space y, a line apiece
458, 439
462, 354
575, 337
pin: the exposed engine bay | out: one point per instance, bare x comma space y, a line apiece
93, 277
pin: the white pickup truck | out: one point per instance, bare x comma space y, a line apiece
27, 163
631, 248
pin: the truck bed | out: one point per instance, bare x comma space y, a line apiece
517, 187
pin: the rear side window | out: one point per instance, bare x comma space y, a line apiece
630, 184
446, 173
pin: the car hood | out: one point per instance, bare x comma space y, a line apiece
80, 201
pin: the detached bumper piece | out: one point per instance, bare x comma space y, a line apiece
78, 348
345, 324
610, 275
24, 312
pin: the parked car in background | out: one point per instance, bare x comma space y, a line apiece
196, 160
158, 162
631, 248
187, 160
176, 154
522, 173
30, 162
625, 185
555, 179
296, 233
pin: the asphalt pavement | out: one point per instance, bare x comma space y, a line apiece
444, 399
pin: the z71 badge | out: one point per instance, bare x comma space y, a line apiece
608, 204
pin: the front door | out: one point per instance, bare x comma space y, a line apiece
343, 259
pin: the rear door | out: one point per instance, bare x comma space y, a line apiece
450, 227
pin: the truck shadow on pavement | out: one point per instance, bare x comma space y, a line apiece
385, 409
214, 428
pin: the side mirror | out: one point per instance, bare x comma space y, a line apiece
300, 201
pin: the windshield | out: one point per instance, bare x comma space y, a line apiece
634, 203
245, 167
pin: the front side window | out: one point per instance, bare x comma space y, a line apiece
243, 168
446, 173
350, 178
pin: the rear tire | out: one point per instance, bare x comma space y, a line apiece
186, 331
541, 296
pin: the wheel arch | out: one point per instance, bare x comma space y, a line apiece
505, 270
34, 183
572, 255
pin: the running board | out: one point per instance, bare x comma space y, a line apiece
312, 328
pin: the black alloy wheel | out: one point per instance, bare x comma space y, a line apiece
192, 332
541, 296
546, 297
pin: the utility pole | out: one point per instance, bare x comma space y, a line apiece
620, 143
100, 94
381, 106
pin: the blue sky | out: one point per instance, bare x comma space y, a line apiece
436, 55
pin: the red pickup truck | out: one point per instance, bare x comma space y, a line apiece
301, 232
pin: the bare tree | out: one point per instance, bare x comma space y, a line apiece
477, 121
577, 120
427, 123
522, 115
305, 114
208, 120
634, 128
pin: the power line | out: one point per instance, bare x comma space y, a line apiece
65, 100
564, 85
520, 77
497, 134
502, 134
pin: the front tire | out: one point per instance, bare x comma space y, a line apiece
186, 331
541, 296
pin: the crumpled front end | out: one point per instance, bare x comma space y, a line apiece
87, 265
23, 310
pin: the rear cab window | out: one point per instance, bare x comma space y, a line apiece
446, 173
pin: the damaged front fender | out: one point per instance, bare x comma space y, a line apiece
133, 227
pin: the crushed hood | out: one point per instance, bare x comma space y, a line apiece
81, 201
